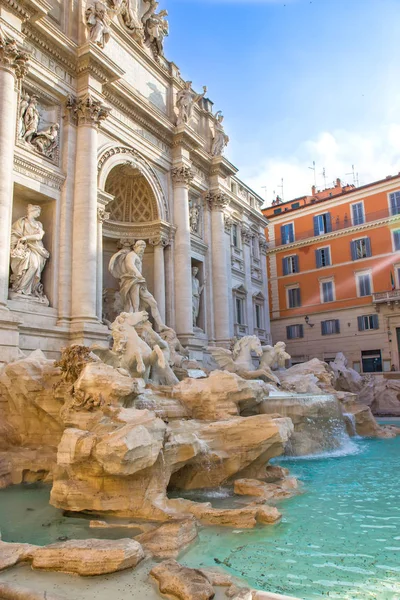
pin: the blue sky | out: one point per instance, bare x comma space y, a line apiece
298, 81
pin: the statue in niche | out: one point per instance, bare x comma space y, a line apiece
156, 28
28, 256
194, 217
126, 265
197, 290
185, 100
44, 142
98, 23
220, 139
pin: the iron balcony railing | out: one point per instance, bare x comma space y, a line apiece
337, 225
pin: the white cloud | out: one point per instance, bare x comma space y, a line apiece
374, 154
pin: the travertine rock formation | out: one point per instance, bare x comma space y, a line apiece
167, 540
182, 582
12, 554
89, 557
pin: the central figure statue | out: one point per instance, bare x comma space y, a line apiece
126, 265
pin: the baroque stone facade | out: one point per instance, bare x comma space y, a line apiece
104, 144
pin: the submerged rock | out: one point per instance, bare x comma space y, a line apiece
89, 557
182, 582
9, 591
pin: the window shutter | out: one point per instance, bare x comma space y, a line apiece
337, 326
396, 236
323, 327
368, 246
296, 264
353, 246
283, 234
395, 203
291, 233
318, 259
298, 297
285, 262
289, 332
301, 331
375, 321
360, 323
316, 226
367, 284
328, 223
328, 256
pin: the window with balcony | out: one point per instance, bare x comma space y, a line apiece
322, 224
394, 203
364, 284
287, 233
294, 332
327, 291
367, 322
357, 213
330, 327
290, 264
361, 248
293, 297
323, 257
396, 240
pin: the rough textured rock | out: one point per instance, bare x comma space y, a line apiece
220, 396
181, 582
238, 518
308, 378
11, 554
237, 593
268, 491
89, 557
365, 423
27, 465
169, 539
10, 591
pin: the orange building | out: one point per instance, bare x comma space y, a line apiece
334, 274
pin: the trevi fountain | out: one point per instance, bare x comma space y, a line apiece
151, 444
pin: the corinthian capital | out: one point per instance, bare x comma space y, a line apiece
263, 246
182, 174
12, 57
102, 215
87, 110
217, 200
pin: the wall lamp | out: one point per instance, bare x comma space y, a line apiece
307, 320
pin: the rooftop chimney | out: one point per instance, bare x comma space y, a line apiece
338, 183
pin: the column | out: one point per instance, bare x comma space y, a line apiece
159, 244
102, 216
221, 292
13, 67
264, 271
247, 235
181, 177
90, 113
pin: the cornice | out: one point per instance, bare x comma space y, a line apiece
186, 137
222, 167
95, 62
333, 234
157, 230
52, 42
37, 172
28, 9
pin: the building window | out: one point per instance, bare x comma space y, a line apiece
287, 233
235, 235
396, 283
371, 361
293, 297
323, 257
361, 248
290, 264
357, 213
395, 203
258, 315
367, 322
322, 224
364, 284
239, 311
255, 247
396, 239
296, 205
327, 291
294, 332
330, 327
277, 211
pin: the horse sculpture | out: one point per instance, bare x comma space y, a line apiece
240, 360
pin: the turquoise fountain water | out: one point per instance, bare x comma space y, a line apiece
338, 540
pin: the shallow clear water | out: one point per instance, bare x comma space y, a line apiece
340, 539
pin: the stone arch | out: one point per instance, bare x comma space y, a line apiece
119, 156
134, 201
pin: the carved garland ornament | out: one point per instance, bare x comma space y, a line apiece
141, 164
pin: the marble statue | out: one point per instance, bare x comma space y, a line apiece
177, 353
30, 119
156, 28
46, 142
159, 374
126, 265
240, 359
220, 139
28, 255
23, 105
98, 23
274, 357
125, 10
194, 218
185, 100
197, 290
130, 352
